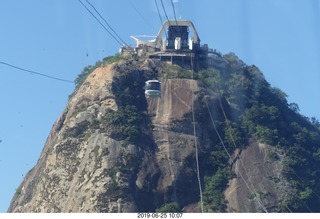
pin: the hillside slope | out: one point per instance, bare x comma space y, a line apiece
111, 150
83, 169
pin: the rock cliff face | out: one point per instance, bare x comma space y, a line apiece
84, 168
262, 184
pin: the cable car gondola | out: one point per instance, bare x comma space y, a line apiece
152, 89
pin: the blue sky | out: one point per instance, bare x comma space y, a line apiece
60, 38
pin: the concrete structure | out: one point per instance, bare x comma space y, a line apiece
177, 31
177, 42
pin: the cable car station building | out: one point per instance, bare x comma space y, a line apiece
177, 37
177, 42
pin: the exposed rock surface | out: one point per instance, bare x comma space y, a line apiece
83, 169
69, 174
257, 173
75, 169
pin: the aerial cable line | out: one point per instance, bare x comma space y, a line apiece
221, 141
195, 141
104, 27
306, 185
36, 73
138, 12
174, 12
158, 12
235, 146
242, 177
175, 17
94, 8
165, 12
165, 32
288, 208
234, 143
216, 130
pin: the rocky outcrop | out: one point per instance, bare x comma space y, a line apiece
259, 185
83, 168
70, 172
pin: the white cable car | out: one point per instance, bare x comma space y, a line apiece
152, 89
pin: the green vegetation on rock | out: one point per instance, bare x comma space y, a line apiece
171, 207
245, 107
261, 111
